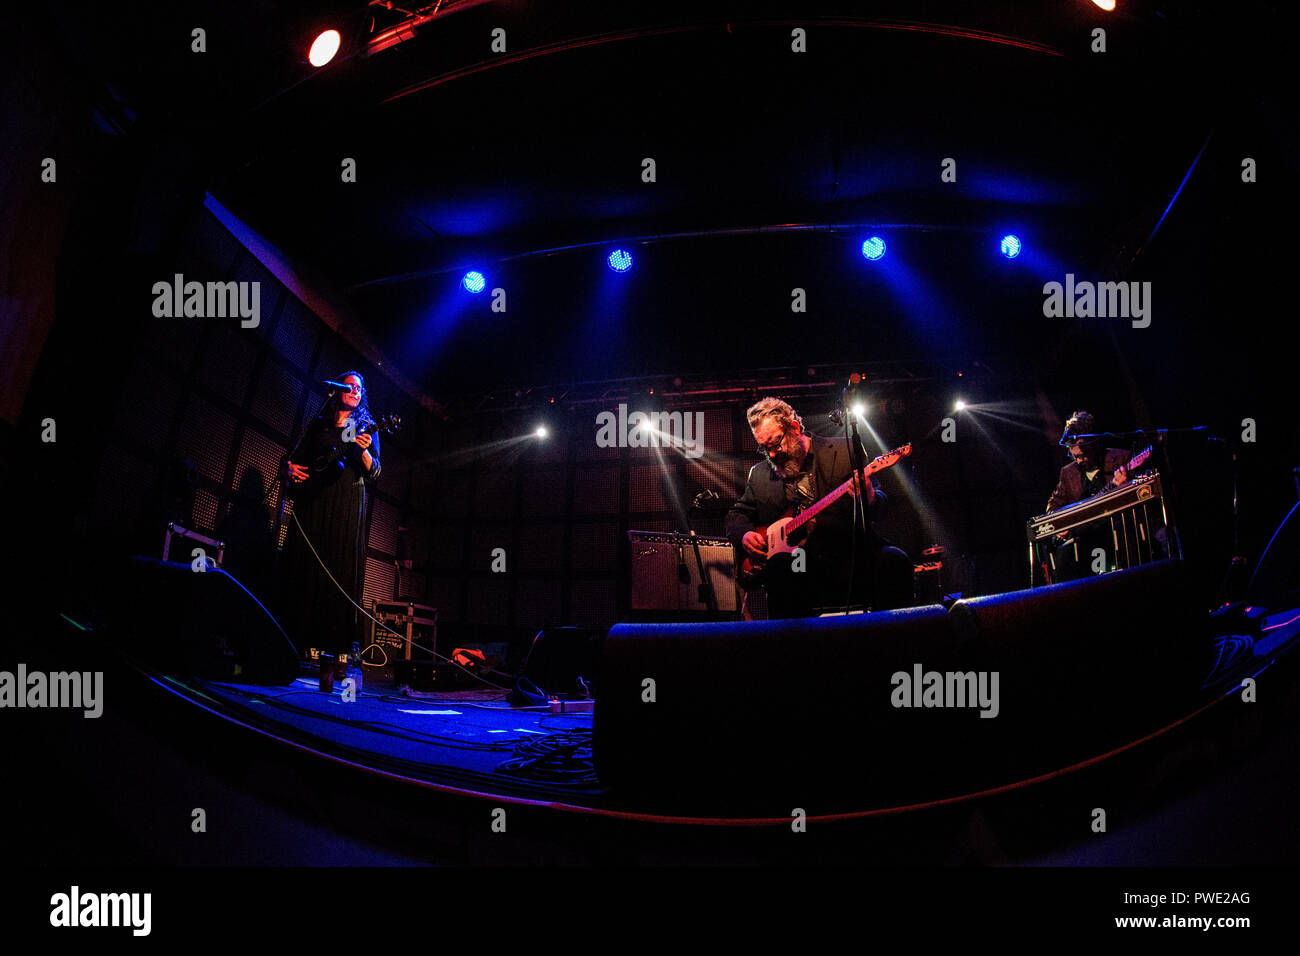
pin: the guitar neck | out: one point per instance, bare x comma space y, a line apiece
1138, 459
813, 510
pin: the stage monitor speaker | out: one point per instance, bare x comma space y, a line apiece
174, 620
1092, 664
559, 656
666, 572
729, 713
1277, 576
900, 707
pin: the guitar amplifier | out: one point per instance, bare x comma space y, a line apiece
666, 572
417, 625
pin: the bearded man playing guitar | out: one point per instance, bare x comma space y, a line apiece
798, 471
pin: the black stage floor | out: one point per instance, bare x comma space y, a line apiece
288, 775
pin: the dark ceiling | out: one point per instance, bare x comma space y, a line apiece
504, 162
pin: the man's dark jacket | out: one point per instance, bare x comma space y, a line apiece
764, 501
1069, 488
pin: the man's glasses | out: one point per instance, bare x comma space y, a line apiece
765, 449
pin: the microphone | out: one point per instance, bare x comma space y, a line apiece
708, 494
849, 398
343, 385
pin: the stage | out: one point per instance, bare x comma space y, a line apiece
293, 775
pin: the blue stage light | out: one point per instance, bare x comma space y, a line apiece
474, 282
873, 248
620, 260
1011, 246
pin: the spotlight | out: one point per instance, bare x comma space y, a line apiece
873, 248
324, 47
1011, 246
860, 410
542, 431
474, 282
960, 406
1107, 5
620, 260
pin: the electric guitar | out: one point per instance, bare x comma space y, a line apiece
1137, 460
790, 530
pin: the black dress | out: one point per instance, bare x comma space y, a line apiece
330, 510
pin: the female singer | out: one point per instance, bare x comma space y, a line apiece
329, 472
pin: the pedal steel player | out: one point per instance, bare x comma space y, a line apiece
1091, 471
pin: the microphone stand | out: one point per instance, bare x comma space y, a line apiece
1159, 441
859, 502
706, 584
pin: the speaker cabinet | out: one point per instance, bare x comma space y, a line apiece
175, 620
666, 574
900, 707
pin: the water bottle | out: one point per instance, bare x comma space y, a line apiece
354, 667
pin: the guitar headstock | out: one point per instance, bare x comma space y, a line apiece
889, 457
388, 424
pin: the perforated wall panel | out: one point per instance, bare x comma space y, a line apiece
395, 479
544, 491
122, 486
205, 438
593, 603
541, 547
422, 485
494, 494
487, 537
538, 603
227, 365
448, 546
596, 489
148, 404
248, 269
489, 601
595, 546
336, 358
258, 452
444, 594
452, 495
296, 333
205, 512
647, 489
275, 400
